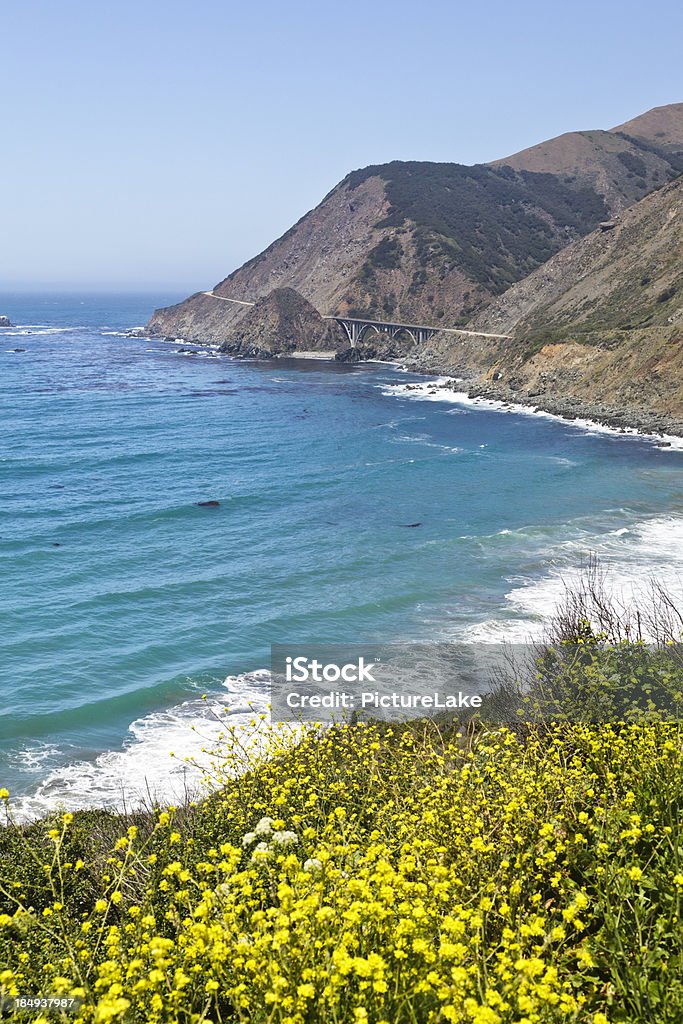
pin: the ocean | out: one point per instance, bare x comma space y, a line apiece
123, 601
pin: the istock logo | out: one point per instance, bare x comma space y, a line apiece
304, 670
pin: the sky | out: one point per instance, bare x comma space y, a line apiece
150, 145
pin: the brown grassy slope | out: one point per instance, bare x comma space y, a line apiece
663, 125
623, 164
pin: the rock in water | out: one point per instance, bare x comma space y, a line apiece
281, 322
209, 504
5, 321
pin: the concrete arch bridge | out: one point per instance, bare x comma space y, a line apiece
356, 328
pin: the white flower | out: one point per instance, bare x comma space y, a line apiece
284, 838
264, 827
313, 865
248, 839
261, 851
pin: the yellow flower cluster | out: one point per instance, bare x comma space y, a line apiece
375, 875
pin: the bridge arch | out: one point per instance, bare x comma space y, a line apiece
356, 329
404, 329
369, 329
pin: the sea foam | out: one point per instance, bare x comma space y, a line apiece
437, 390
165, 758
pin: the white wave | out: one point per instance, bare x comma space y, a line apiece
152, 765
34, 757
562, 461
178, 341
22, 330
426, 442
498, 631
630, 557
385, 362
440, 390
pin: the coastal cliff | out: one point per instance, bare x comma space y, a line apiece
438, 242
572, 247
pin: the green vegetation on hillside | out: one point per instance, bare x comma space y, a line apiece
386, 254
673, 155
494, 224
633, 163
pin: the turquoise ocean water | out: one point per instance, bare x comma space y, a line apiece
122, 601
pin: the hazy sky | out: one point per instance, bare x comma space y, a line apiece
154, 144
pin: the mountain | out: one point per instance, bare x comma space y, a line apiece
437, 242
662, 124
623, 164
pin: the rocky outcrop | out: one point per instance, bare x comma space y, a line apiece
5, 321
281, 322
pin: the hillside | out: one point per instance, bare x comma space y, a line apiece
598, 330
623, 164
437, 242
662, 124
627, 276
413, 241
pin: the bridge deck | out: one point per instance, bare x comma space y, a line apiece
416, 327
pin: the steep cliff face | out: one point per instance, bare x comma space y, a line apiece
634, 379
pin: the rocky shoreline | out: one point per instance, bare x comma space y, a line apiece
625, 419
480, 381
